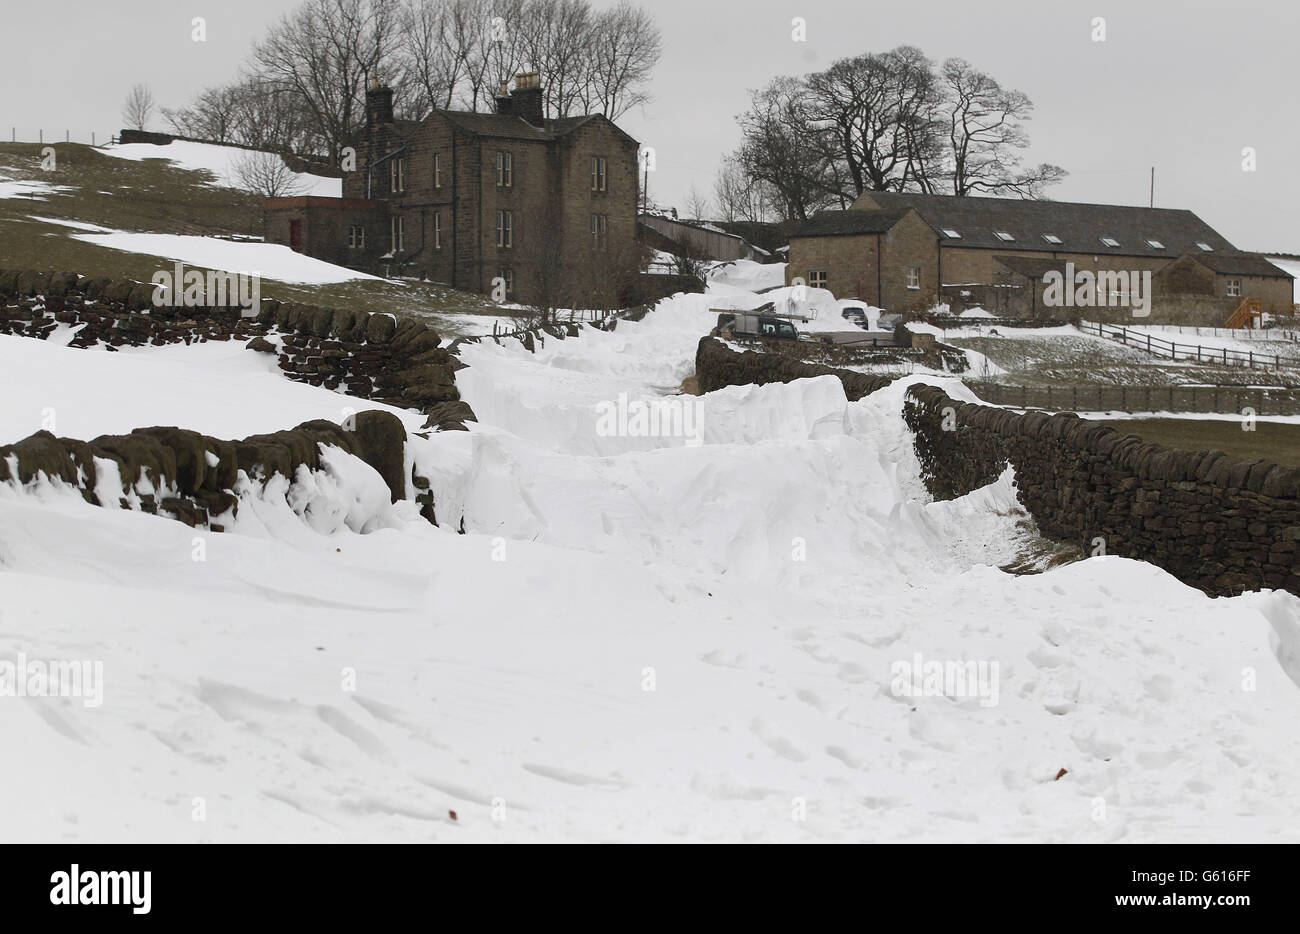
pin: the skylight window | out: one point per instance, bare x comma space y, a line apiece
950, 233
1155, 244
1110, 241
1205, 246
1052, 238
1004, 236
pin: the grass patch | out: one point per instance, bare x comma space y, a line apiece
155, 196
1269, 440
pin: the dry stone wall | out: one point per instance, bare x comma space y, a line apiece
370, 356
189, 476
1219, 523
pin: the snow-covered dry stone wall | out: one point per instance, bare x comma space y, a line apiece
1217, 522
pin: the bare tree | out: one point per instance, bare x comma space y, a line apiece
265, 174
324, 52
782, 150
737, 196
139, 107
875, 116
696, 205
625, 48
985, 129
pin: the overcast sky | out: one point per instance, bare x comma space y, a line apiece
1183, 85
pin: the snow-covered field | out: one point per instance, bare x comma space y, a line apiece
271, 260
222, 162
697, 636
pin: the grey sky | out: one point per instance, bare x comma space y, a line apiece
1180, 84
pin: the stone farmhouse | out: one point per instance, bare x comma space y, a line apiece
543, 209
905, 251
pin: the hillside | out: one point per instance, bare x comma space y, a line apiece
66, 219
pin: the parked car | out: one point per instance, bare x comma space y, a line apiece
755, 324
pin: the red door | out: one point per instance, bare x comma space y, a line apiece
295, 235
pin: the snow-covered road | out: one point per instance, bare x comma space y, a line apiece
637, 638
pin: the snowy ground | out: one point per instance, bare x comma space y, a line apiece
270, 260
689, 637
221, 162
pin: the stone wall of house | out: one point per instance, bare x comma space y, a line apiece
369, 356
910, 242
1219, 523
850, 263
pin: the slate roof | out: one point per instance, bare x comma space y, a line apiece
1241, 264
834, 223
1079, 226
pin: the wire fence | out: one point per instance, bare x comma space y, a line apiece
1173, 350
1226, 400
42, 135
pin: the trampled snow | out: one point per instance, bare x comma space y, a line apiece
694, 635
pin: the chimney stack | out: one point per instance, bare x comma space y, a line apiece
503, 98
526, 99
379, 103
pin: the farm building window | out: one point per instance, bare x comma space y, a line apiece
437, 170
598, 180
505, 169
357, 237
397, 175
600, 230
505, 229
817, 278
1052, 239
950, 233
1205, 247
1004, 236
1110, 241
397, 231
1234, 287
913, 277
1155, 244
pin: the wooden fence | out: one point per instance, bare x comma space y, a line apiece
1174, 350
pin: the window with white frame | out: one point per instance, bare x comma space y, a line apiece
1004, 236
950, 233
356, 237
913, 277
505, 229
598, 175
437, 170
1110, 242
1205, 247
1053, 239
505, 169
1234, 288
397, 175
817, 278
